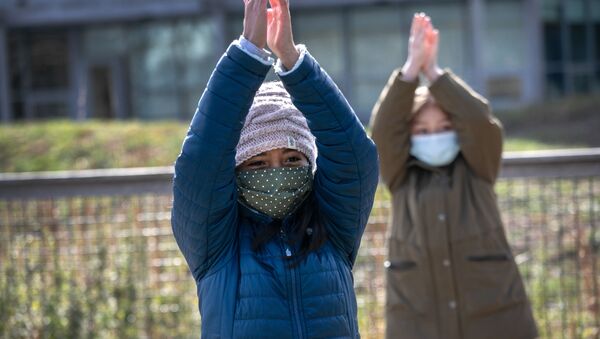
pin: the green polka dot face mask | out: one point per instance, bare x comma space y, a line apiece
275, 192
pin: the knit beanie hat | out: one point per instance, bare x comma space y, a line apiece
274, 122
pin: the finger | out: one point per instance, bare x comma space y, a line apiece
424, 21
420, 30
413, 25
285, 11
427, 30
276, 7
270, 15
433, 27
422, 24
416, 24
263, 4
282, 11
435, 37
282, 6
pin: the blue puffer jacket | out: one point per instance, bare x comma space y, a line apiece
247, 294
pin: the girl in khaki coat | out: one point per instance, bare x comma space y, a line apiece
450, 272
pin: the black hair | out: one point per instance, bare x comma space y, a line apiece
304, 229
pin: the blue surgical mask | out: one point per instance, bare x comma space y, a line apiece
438, 149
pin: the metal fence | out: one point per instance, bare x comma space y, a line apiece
91, 254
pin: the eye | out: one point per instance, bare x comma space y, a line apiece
256, 164
420, 131
293, 159
446, 127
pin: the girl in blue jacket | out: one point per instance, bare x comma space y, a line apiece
270, 230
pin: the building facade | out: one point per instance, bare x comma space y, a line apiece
150, 59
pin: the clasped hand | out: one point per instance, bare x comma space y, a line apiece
271, 27
422, 50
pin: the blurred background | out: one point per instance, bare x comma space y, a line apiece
149, 59
91, 88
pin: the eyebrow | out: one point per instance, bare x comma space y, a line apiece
290, 150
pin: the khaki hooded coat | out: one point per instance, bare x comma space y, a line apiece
450, 273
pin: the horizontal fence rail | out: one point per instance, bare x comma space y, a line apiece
91, 253
534, 164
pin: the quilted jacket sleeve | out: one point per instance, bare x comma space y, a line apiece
204, 214
347, 165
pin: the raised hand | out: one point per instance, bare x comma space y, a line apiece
430, 66
279, 33
417, 48
255, 22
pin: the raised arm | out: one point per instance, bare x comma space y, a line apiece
204, 214
479, 132
390, 119
347, 170
347, 167
390, 128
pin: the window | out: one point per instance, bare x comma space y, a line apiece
571, 46
39, 73
168, 63
323, 35
504, 38
48, 52
504, 51
378, 40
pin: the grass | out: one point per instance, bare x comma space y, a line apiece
522, 144
68, 145
571, 120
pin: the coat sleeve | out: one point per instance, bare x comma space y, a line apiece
347, 166
479, 132
204, 214
390, 128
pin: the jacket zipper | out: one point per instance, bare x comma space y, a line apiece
293, 271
